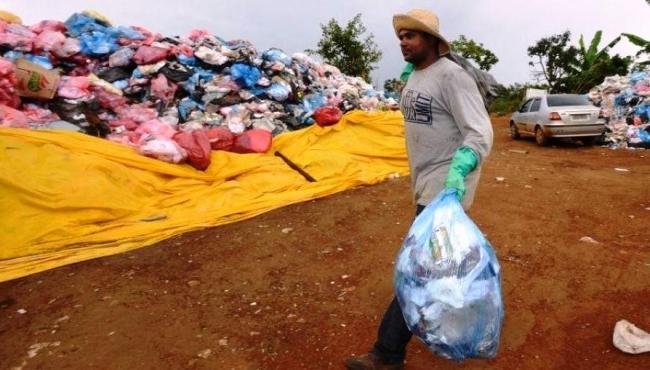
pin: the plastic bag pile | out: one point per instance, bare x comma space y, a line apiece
447, 280
172, 98
625, 101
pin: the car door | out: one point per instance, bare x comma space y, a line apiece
522, 115
533, 117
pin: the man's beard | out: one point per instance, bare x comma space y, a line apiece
416, 59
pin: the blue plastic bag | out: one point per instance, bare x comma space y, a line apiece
98, 43
245, 75
447, 280
312, 102
277, 55
644, 136
200, 75
80, 23
278, 92
187, 106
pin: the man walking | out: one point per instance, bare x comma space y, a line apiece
448, 135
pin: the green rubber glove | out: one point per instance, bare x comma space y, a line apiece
464, 161
406, 72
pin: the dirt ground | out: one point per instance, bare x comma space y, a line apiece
305, 286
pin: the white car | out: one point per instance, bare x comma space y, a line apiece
558, 115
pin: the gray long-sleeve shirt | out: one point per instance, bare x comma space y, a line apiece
443, 110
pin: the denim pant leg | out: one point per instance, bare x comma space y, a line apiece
393, 334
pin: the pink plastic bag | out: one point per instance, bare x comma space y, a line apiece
10, 117
197, 146
184, 49
149, 37
19, 29
221, 138
253, 141
327, 116
109, 100
17, 42
149, 54
137, 113
121, 58
36, 114
163, 149
163, 89
157, 129
8, 84
74, 87
69, 48
49, 40
128, 124
48, 25
197, 35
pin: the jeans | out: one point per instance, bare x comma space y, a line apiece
393, 334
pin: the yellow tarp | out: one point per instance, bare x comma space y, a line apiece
68, 197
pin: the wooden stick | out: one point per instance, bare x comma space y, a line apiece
295, 167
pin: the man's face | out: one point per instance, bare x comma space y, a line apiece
415, 46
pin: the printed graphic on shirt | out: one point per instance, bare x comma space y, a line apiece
417, 107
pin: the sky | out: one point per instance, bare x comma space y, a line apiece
506, 27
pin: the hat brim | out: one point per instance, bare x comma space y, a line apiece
406, 22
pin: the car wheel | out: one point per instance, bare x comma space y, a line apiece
514, 133
540, 137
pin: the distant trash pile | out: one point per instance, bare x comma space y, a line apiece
171, 98
625, 101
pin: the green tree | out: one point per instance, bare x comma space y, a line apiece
509, 98
644, 46
393, 85
475, 51
556, 60
345, 48
594, 65
589, 57
583, 81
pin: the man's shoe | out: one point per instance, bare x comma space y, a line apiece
370, 361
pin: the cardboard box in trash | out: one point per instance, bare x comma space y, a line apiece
35, 81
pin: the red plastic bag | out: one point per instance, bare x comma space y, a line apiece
197, 145
327, 116
221, 138
253, 141
149, 54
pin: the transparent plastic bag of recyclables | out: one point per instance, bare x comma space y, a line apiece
447, 280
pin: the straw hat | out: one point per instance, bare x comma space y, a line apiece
424, 21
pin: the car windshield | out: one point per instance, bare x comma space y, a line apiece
566, 100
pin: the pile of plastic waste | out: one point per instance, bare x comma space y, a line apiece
172, 98
625, 102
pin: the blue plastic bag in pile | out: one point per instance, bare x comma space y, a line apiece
448, 282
